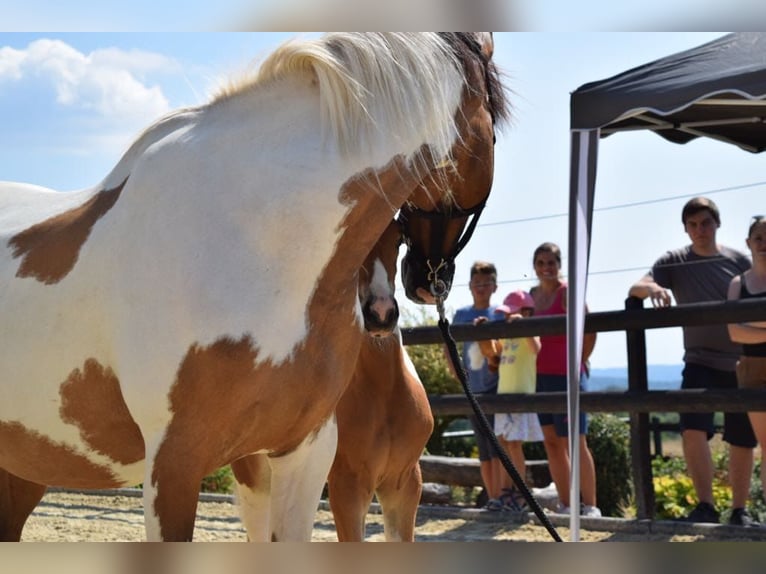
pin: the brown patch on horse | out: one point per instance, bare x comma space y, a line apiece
227, 404
212, 384
91, 399
37, 458
50, 249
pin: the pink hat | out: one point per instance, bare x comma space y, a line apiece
515, 301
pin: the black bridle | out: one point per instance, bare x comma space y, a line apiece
433, 264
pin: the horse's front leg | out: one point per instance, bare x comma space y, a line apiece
399, 498
297, 480
171, 491
253, 475
350, 489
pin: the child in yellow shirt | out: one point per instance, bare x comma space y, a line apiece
515, 360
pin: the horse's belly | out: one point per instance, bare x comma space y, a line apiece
72, 429
75, 462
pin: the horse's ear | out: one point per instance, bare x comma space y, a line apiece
487, 43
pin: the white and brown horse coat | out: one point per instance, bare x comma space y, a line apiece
200, 304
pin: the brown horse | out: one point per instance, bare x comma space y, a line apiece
384, 418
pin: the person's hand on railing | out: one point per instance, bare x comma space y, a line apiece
659, 296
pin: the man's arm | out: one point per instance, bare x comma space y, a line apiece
647, 288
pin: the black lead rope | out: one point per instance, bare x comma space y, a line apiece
484, 424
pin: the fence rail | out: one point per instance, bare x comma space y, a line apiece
638, 401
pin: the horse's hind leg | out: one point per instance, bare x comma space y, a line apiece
18, 498
399, 500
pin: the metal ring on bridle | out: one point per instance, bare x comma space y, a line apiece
437, 286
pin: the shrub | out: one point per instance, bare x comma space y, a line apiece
674, 494
609, 441
757, 501
221, 481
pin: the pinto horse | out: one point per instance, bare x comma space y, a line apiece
384, 418
200, 305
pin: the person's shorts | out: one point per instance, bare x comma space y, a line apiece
560, 421
751, 372
483, 442
737, 430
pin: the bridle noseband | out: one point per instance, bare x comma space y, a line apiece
435, 260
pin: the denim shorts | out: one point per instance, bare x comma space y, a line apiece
560, 421
737, 430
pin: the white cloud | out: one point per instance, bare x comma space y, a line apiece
110, 81
10, 63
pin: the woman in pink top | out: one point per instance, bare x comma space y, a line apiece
550, 297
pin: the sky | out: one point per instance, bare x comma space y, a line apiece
71, 103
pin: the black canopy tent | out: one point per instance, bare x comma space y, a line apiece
716, 90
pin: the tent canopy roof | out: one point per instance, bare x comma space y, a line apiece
716, 90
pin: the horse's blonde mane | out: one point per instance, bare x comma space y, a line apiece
372, 86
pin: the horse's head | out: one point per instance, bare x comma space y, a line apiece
376, 284
437, 225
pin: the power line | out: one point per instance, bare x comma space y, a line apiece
643, 268
626, 205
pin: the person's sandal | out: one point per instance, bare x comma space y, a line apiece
512, 499
493, 505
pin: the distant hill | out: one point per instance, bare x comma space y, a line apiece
661, 377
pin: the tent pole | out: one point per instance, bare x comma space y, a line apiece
582, 186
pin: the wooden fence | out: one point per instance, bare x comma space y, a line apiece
638, 401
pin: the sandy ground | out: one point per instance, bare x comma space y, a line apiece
68, 516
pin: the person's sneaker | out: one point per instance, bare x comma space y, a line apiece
590, 511
741, 517
703, 512
561, 509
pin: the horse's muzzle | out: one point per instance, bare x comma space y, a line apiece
419, 273
376, 325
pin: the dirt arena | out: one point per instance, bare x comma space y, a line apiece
65, 516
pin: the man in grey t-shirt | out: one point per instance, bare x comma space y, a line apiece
696, 273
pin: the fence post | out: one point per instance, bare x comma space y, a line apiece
657, 436
639, 422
